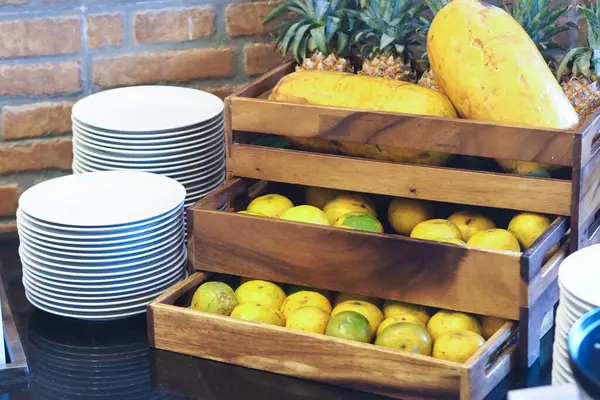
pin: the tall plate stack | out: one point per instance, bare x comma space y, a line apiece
171, 131
101, 245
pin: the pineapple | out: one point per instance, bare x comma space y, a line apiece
583, 63
317, 33
386, 30
538, 19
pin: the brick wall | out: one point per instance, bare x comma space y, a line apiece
53, 52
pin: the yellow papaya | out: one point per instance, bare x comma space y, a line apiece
366, 93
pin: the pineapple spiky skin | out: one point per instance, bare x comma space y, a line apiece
319, 62
584, 95
428, 80
388, 67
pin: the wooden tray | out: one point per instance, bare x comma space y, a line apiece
504, 284
248, 111
341, 362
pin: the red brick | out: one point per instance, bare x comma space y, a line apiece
8, 227
32, 37
39, 79
172, 66
35, 120
260, 58
57, 153
245, 19
9, 197
174, 25
104, 30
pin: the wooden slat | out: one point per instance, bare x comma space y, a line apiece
479, 378
533, 259
264, 83
457, 136
413, 181
385, 266
589, 196
357, 365
546, 277
589, 134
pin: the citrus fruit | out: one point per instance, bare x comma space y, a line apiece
291, 289
263, 292
452, 321
257, 214
360, 222
405, 214
490, 325
270, 205
457, 346
406, 317
309, 319
215, 298
318, 196
406, 336
304, 298
434, 229
257, 312
349, 325
393, 307
346, 203
528, 227
368, 310
495, 239
307, 214
340, 297
471, 222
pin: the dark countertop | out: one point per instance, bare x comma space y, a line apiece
72, 359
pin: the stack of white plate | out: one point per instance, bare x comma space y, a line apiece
171, 131
578, 277
101, 245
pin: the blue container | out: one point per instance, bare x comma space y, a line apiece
584, 352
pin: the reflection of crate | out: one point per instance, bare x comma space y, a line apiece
504, 284
318, 357
249, 111
15, 371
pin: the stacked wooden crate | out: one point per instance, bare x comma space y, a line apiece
516, 286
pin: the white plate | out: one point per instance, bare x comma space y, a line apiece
107, 294
164, 141
579, 273
113, 285
44, 254
99, 252
82, 315
203, 184
137, 152
147, 108
98, 238
106, 198
92, 272
203, 192
178, 172
569, 298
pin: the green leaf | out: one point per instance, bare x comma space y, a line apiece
318, 35
385, 41
276, 12
300, 34
287, 40
333, 25
342, 43
322, 8
562, 68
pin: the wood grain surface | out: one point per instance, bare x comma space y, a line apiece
449, 135
381, 265
550, 196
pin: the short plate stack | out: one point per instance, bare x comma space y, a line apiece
172, 131
578, 279
101, 245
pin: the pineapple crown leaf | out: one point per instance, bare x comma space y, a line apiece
569, 57
276, 12
584, 61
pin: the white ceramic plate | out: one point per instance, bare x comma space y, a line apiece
147, 108
579, 273
96, 238
92, 272
154, 140
107, 285
106, 198
137, 152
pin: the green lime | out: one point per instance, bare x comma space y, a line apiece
349, 325
359, 221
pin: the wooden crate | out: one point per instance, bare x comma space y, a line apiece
336, 361
511, 285
248, 111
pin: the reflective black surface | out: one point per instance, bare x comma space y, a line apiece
72, 359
